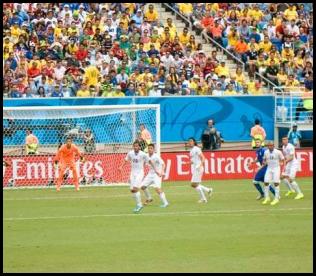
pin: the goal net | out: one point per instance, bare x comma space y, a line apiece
104, 134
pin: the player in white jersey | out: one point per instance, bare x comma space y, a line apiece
197, 168
138, 159
291, 167
154, 176
273, 158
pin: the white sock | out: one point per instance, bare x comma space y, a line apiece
266, 191
204, 188
296, 187
199, 189
277, 192
147, 194
163, 198
288, 184
138, 198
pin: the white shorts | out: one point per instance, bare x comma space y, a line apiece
290, 170
197, 175
136, 180
152, 180
272, 175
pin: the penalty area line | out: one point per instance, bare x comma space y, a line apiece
210, 212
114, 196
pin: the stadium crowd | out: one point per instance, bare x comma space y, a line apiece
123, 49
275, 40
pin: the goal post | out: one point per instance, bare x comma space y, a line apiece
103, 133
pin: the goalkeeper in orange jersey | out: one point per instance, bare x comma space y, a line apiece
65, 157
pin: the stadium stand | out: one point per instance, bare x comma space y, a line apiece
126, 49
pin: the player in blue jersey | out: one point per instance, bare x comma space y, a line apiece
261, 169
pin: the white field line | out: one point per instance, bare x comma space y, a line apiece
196, 213
127, 194
90, 186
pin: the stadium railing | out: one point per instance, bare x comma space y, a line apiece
188, 22
288, 101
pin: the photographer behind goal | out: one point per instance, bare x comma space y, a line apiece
211, 137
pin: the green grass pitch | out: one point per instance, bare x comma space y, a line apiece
94, 230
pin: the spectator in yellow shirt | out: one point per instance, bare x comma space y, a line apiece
255, 13
254, 88
240, 78
118, 92
265, 45
83, 91
291, 13
184, 37
232, 39
252, 43
230, 90
172, 27
282, 76
292, 82
251, 85
287, 54
272, 56
222, 70
186, 9
8, 44
91, 75
58, 29
72, 47
166, 34
194, 84
130, 6
124, 18
15, 32
152, 15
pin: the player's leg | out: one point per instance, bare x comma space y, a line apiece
144, 186
197, 187
259, 177
272, 189
157, 185
285, 178
195, 183
61, 172
267, 180
209, 191
276, 181
135, 182
287, 183
293, 183
75, 176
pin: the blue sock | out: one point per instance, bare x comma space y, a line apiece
259, 188
272, 190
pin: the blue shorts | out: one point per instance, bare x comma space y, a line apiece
260, 174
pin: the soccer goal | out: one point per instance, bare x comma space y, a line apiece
103, 133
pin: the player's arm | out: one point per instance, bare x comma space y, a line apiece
163, 168
264, 161
202, 157
57, 157
153, 166
289, 159
78, 153
282, 159
126, 160
255, 161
